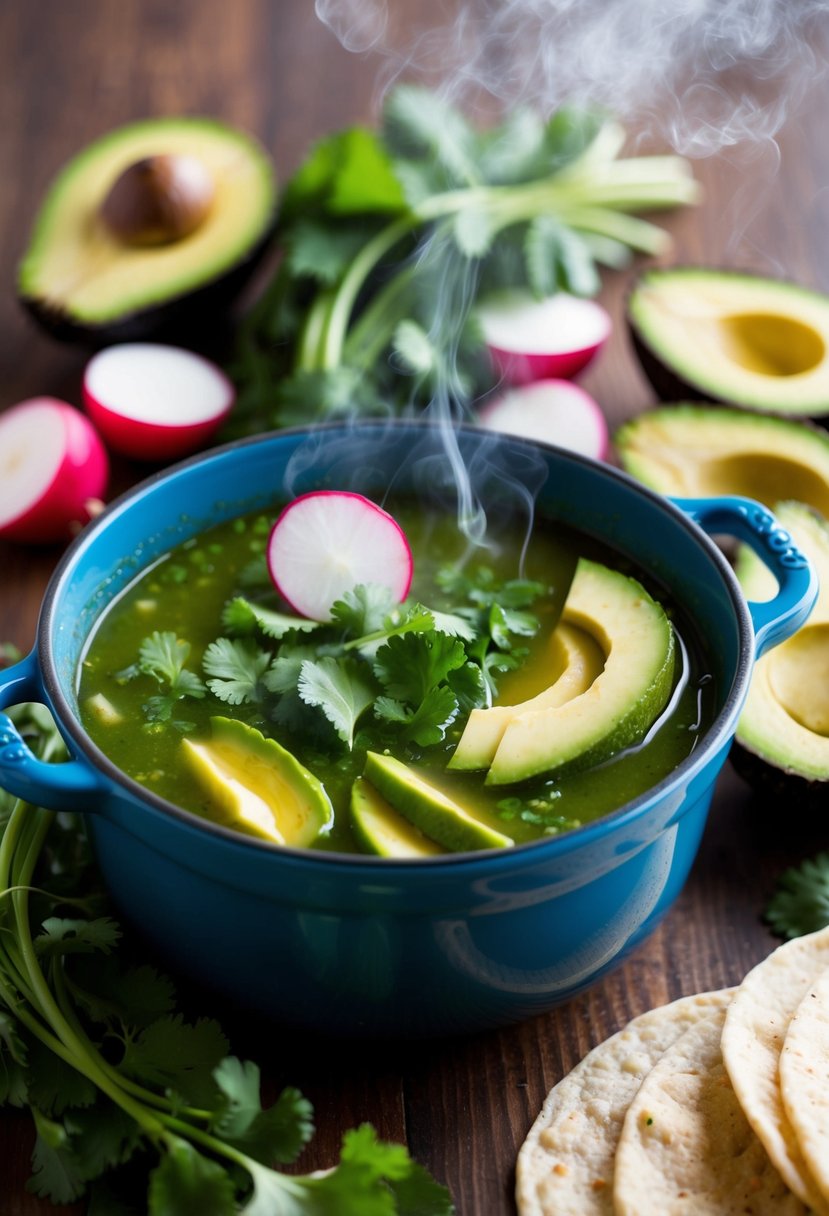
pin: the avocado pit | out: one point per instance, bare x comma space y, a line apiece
158, 200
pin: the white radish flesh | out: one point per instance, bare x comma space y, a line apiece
155, 402
53, 471
552, 411
327, 542
532, 339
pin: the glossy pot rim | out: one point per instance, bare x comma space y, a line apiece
543, 849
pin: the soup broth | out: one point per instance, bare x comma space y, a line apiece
140, 720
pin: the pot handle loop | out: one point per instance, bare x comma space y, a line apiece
778, 618
71, 785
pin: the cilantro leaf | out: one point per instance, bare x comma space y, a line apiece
53, 1085
112, 994
323, 252
417, 123
241, 616
68, 936
187, 1181
427, 722
340, 688
363, 610
411, 666
277, 1134
56, 1174
469, 686
102, 1136
179, 1056
283, 674
162, 656
13, 1059
237, 668
800, 903
346, 173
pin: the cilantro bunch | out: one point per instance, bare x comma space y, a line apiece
389, 238
378, 674
146, 1113
800, 903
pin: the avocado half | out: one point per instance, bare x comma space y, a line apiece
732, 337
697, 450
86, 279
782, 741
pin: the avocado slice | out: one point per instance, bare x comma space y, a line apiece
731, 337
697, 450
576, 660
210, 209
380, 829
622, 702
428, 808
256, 786
782, 741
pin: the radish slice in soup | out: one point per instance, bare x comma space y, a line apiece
329, 541
532, 339
53, 471
553, 411
155, 402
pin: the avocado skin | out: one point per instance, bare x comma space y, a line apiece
669, 386
776, 788
182, 318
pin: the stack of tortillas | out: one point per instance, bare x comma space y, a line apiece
716, 1103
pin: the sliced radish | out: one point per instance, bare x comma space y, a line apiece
328, 542
53, 471
554, 411
155, 402
532, 339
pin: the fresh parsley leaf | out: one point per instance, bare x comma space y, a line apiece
237, 668
187, 1181
340, 688
800, 903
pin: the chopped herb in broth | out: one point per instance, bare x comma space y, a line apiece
203, 637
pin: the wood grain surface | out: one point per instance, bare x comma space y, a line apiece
72, 69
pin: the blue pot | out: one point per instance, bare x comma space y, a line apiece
362, 945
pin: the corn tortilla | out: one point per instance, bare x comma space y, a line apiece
804, 1079
755, 1028
686, 1147
566, 1163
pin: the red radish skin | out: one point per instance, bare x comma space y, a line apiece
327, 542
554, 338
552, 411
53, 471
154, 402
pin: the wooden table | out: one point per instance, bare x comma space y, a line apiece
71, 71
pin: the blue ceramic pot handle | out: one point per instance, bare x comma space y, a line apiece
778, 618
72, 785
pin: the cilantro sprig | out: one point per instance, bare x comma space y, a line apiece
389, 237
800, 903
127, 1097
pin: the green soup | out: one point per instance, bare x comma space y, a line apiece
213, 587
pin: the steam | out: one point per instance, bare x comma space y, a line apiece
701, 75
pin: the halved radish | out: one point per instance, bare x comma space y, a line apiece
532, 339
53, 471
327, 542
554, 411
155, 402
